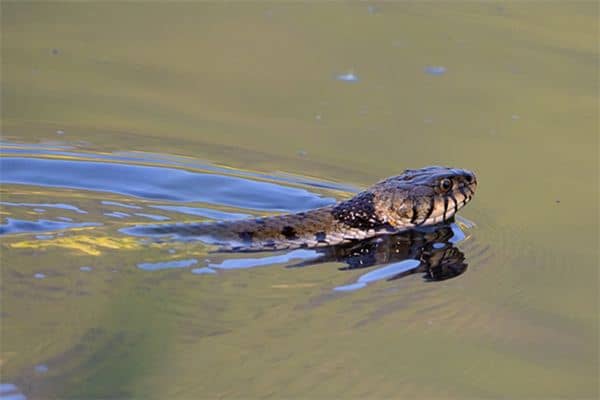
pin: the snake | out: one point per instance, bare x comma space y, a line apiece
416, 198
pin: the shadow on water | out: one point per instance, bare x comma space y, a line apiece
164, 190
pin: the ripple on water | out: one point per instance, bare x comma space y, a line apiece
153, 217
117, 214
118, 204
41, 225
203, 212
61, 206
159, 183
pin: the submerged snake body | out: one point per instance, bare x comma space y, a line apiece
413, 199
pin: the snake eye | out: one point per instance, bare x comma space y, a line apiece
445, 184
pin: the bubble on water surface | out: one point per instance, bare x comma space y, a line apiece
60, 132
41, 368
167, 264
373, 9
85, 269
44, 237
435, 70
39, 275
347, 77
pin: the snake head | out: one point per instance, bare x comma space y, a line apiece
422, 197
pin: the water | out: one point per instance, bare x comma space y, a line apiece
115, 115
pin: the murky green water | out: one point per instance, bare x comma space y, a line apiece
225, 111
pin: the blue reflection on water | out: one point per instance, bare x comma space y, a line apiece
458, 234
47, 205
9, 391
117, 214
154, 217
116, 203
380, 274
41, 225
7, 387
241, 263
389, 271
167, 264
162, 159
159, 183
204, 271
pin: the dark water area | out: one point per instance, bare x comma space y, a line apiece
119, 115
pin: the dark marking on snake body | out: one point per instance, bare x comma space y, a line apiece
246, 236
289, 233
359, 213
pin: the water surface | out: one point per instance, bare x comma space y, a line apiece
115, 115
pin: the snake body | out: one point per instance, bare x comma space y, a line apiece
415, 198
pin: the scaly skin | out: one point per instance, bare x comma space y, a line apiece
416, 198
